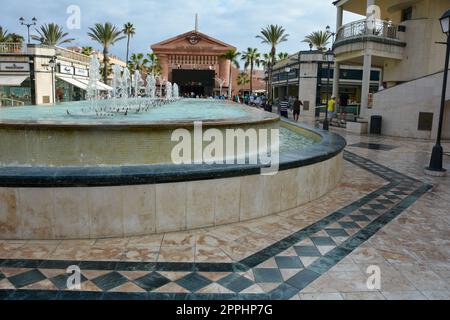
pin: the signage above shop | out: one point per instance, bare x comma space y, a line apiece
81, 72
66, 69
14, 66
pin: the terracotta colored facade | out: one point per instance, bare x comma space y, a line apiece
192, 52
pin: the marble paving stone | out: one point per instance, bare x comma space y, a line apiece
412, 249
151, 281
321, 296
193, 282
235, 282
403, 295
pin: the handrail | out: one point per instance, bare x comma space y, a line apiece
18, 102
377, 28
73, 55
11, 47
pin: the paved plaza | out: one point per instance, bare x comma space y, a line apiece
385, 212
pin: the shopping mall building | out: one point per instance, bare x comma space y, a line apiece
308, 75
194, 61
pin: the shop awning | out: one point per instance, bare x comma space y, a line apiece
100, 85
103, 87
73, 82
11, 80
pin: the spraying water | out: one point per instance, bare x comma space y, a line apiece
168, 90
137, 83
150, 89
94, 78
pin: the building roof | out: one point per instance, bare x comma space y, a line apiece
192, 33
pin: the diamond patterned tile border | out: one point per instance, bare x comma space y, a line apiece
312, 251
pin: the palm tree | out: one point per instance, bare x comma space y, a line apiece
318, 39
232, 56
129, 31
273, 35
154, 66
16, 38
3, 35
52, 34
137, 62
106, 34
243, 79
88, 51
252, 58
282, 56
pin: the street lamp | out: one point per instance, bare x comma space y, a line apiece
328, 57
266, 77
435, 167
28, 25
52, 64
333, 34
288, 70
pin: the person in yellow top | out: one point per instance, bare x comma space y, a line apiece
331, 109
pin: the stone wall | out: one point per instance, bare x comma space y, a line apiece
99, 212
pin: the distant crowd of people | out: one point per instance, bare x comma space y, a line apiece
284, 105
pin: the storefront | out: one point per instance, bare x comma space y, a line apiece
15, 84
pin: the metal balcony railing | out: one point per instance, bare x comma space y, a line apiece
377, 28
9, 102
72, 55
12, 47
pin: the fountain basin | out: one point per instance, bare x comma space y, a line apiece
57, 139
101, 201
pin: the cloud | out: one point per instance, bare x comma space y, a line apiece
233, 21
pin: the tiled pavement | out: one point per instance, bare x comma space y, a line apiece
318, 252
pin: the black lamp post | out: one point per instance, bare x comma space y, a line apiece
52, 64
437, 154
328, 57
28, 25
333, 34
266, 77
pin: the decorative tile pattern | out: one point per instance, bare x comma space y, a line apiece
374, 146
279, 271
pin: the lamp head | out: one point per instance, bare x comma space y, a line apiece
445, 22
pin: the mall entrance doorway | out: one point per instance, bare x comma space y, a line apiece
194, 82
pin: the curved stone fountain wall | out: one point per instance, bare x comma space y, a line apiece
85, 203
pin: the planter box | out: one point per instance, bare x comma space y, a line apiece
358, 127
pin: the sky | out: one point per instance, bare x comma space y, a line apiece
236, 22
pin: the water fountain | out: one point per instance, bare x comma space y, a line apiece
161, 81
104, 167
175, 91
168, 90
94, 78
137, 83
117, 81
150, 89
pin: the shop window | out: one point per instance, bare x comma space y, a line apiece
407, 14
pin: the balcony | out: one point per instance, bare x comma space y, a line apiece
12, 48
380, 38
72, 55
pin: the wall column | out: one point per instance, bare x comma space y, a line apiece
164, 61
336, 73
366, 83
337, 65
